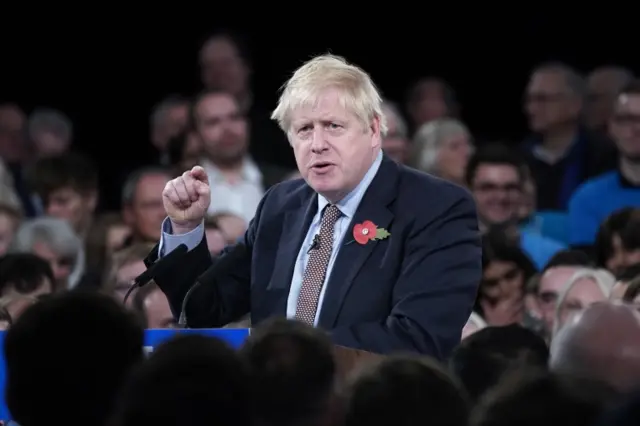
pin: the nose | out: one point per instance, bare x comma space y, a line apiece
319, 142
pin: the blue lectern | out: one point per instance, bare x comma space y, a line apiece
152, 338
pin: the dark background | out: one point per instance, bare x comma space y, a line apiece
108, 71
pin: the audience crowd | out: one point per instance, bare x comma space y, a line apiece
554, 337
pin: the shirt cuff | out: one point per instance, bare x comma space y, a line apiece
169, 242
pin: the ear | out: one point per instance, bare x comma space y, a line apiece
127, 215
376, 135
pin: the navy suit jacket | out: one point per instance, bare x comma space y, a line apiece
413, 291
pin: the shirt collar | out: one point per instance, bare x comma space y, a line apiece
349, 204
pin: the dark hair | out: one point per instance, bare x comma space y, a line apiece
56, 172
293, 371
191, 379
238, 40
73, 346
24, 272
495, 154
569, 258
483, 358
406, 390
629, 273
631, 88
533, 398
624, 223
176, 147
448, 94
498, 247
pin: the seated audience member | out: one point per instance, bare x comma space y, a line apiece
506, 269
293, 374
23, 277
89, 344
618, 241
405, 391
597, 198
53, 240
67, 185
10, 219
395, 144
553, 277
623, 280
184, 152
153, 307
602, 343
431, 98
585, 287
496, 176
442, 148
126, 265
473, 325
8, 195
543, 398
481, 360
191, 380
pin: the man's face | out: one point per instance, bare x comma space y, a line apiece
61, 265
215, 241
70, 205
222, 67
497, 191
551, 283
146, 212
625, 126
549, 102
333, 148
222, 128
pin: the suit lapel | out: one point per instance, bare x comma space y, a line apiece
294, 228
352, 256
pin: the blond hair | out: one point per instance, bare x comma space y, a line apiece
359, 94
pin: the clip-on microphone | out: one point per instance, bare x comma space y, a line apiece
154, 270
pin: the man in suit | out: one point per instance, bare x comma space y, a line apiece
383, 257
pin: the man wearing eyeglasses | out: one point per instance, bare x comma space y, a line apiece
599, 197
496, 176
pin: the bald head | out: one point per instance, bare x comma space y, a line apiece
602, 342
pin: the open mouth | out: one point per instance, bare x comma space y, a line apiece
321, 167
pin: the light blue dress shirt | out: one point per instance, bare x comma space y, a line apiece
347, 206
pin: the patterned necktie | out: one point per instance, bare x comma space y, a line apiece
316, 269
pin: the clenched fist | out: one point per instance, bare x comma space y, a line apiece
186, 199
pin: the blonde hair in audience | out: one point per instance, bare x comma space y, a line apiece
603, 279
359, 94
430, 138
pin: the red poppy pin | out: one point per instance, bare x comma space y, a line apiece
367, 230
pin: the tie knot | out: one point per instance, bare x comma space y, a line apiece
331, 214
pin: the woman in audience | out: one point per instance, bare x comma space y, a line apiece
506, 270
443, 147
585, 287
